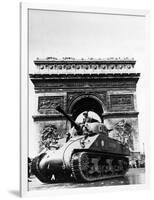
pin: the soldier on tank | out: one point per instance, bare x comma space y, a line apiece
73, 131
87, 119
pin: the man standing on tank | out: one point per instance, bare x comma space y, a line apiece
87, 119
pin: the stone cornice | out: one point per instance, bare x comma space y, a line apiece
105, 116
48, 117
54, 59
119, 114
85, 61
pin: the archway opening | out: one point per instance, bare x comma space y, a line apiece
89, 104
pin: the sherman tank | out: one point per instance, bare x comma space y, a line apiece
87, 155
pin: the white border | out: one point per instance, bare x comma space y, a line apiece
24, 95
23, 100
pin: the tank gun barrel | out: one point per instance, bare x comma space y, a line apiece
77, 127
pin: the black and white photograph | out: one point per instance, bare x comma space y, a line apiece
87, 89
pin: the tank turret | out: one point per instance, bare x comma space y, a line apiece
87, 155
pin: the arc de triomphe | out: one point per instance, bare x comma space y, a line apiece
106, 87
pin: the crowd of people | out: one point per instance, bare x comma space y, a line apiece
136, 164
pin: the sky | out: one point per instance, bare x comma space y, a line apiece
84, 35
78, 35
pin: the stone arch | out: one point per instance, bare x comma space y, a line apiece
86, 102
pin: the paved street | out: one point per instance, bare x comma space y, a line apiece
133, 176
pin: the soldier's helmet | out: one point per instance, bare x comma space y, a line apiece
85, 114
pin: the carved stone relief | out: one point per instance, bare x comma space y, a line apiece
123, 131
47, 104
121, 102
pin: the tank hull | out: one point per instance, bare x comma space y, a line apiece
66, 161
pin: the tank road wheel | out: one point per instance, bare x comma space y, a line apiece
125, 165
115, 166
84, 164
101, 166
122, 166
43, 175
109, 167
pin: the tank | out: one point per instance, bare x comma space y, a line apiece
87, 155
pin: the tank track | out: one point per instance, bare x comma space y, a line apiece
90, 166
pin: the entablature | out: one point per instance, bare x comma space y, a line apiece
69, 65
